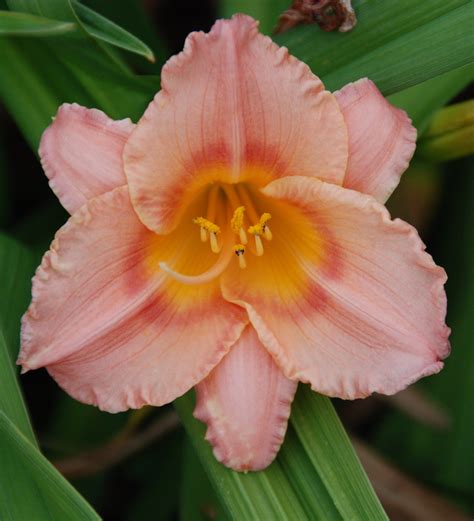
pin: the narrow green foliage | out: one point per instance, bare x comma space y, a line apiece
411, 443
252, 496
93, 24
31, 488
316, 475
21, 24
332, 456
16, 268
396, 44
101, 28
265, 11
450, 134
424, 99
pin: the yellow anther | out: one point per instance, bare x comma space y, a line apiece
211, 228
237, 223
265, 218
237, 220
239, 250
262, 226
207, 225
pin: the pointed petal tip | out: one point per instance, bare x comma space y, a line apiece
245, 402
81, 153
382, 139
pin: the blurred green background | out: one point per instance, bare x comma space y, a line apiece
417, 447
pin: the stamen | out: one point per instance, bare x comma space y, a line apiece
212, 273
268, 234
263, 223
237, 222
208, 226
258, 245
239, 250
262, 227
214, 246
245, 197
212, 203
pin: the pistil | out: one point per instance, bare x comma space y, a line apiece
239, 250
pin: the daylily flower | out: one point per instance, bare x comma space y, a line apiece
235, 241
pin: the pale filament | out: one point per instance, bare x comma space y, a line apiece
207, 276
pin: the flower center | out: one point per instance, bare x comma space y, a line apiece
233, 207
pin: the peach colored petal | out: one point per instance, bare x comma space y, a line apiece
233, 106
371, 315
109, 326
382, 140
245, 402
81, 153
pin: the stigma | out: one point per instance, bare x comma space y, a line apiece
239, 250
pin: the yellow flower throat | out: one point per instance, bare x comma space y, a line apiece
242, 220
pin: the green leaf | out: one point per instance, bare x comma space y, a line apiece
21, 24
330, 451
55, 9
134, 17
36, 77
412, 443
422, 100
93, 24
253, 496
450, 134
315, 476
304, 481
16, 268
103, 29
199, 502
31, 488
266, 12
396, 44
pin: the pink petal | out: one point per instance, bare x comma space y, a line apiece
245, 402
367, 314
382, 140
81, 153
109, 326
233, 106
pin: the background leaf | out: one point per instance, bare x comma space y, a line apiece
316, 475
22, 24
31, 488
103, 29
92, 23
385, 40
